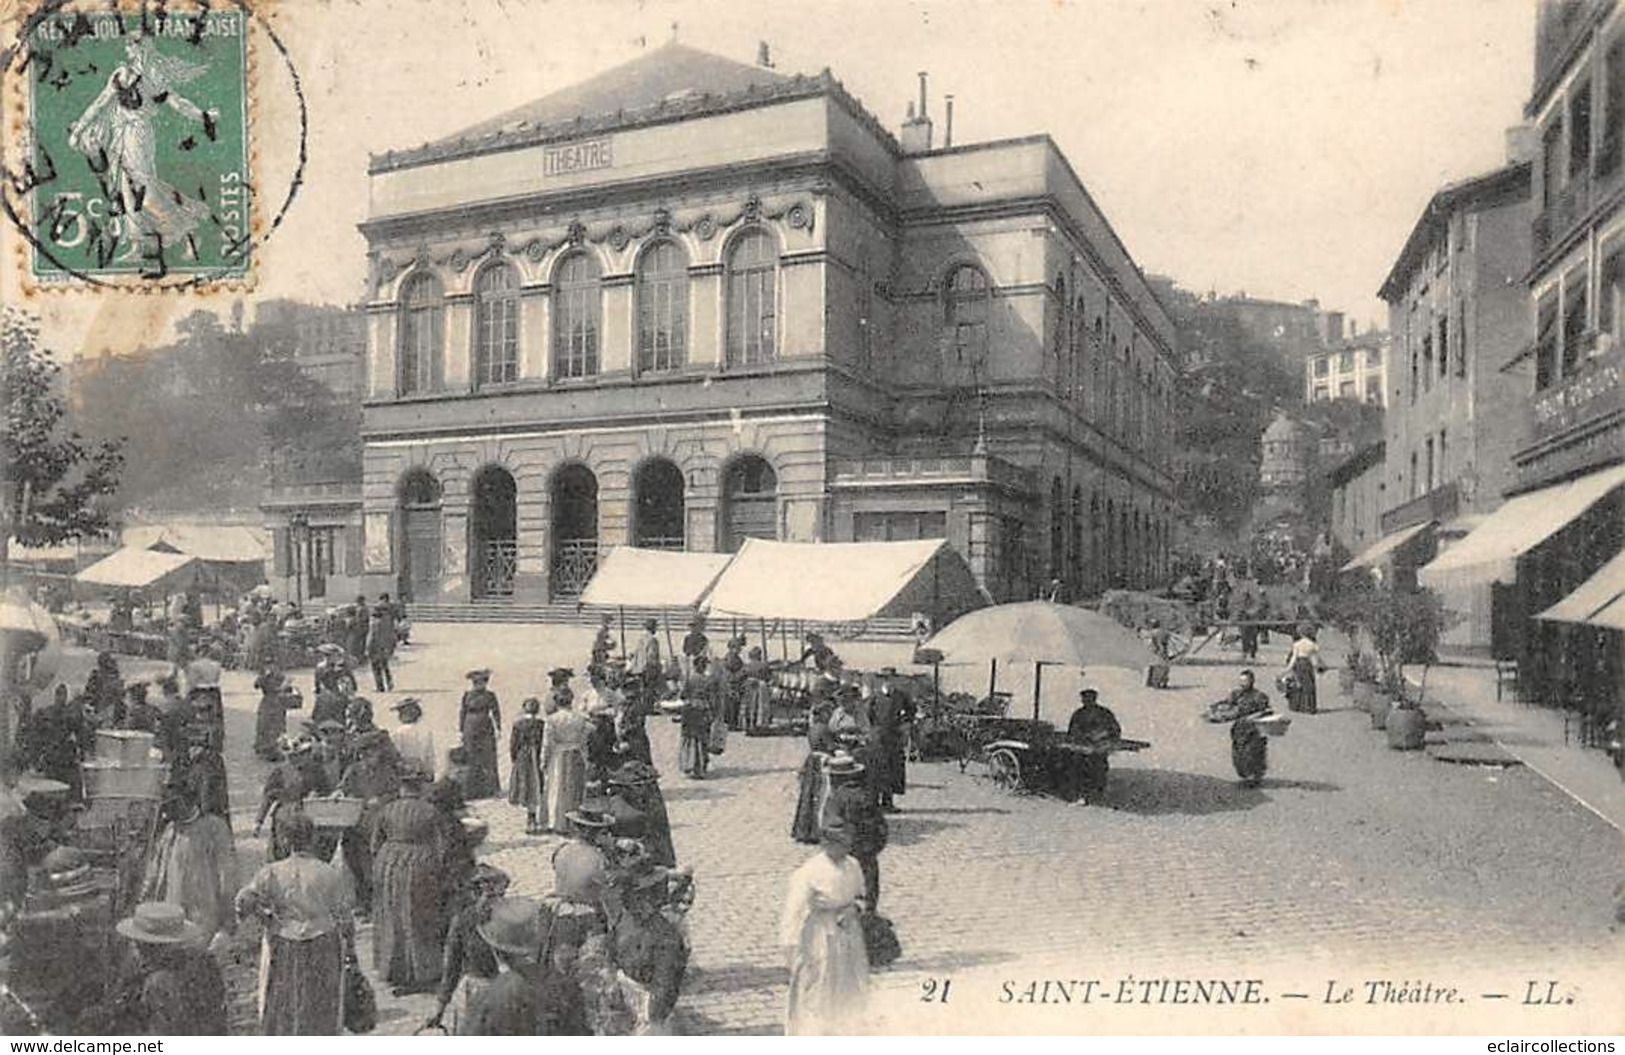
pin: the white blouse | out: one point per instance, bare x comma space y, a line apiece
819, 884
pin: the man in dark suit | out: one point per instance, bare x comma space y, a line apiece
890, 713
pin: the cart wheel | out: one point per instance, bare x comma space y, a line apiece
1004, 769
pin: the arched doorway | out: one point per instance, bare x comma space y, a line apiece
493, 533
657, 506
419, 544
750, 502
574, 496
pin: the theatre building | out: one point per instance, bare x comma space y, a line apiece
691, 301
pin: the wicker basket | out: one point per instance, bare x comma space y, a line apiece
111, 780
1272, 724
125, 747
334, 813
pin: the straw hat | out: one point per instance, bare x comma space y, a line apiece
411, 703
590, 819
560, 675
159, 923
842, 764
203, 674
514, 927
479, 674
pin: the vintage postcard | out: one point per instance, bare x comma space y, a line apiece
650, 517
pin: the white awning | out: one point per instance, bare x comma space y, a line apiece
1490, 553
839, 582
134, 568
1373, 554
653, 578
1593, 596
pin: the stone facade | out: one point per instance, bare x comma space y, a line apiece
751, 312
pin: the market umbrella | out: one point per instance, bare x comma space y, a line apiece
1042, 633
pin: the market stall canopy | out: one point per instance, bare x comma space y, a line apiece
633, 577
215, 543
1490, 553
1042, 631
132, 568
1599, 594
1379, 550
845, 582
28, 631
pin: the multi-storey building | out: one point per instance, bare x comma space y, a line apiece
1564, 518
1458, 312
1357, 488
329, 343
1352, 368
691, 301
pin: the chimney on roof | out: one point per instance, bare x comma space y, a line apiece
916, 133
1521, 143
947, 121
764, 55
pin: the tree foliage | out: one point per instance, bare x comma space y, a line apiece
56, 481
210, 418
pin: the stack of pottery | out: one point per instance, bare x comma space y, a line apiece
126, 766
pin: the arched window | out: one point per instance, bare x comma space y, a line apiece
752, 285
422, 335
577, 302
1075, 544
662, 307
1059, 340
965, 312
1076, 376
496, 326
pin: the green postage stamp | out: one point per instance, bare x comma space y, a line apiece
138, 157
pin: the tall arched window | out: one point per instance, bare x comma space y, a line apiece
577, 302
496, 326
1059, 364
752, 285
422, 335
662, 307
1057, 529
1075, 544
965, 312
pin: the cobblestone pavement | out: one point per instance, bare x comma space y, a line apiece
1349, 855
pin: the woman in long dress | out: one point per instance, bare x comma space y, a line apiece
525, 765
308, 933
822, 933
271, 717
1303, 661
813, 784
195, 865
564, 762
407, 903
479, 721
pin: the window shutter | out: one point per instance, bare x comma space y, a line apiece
353, 544
279, 552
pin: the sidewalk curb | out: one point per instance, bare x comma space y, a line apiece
1515, 753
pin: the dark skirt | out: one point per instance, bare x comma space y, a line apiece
302, 987
480, 741
1302, 697
270, 723
409, 927
1249, 751
525, 782
807, 825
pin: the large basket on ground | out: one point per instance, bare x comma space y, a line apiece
125, 747
113, 780
334, 813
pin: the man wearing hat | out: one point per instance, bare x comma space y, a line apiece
381, 643
532, 997
649, 953
852, 803
1093, 726
695, 643
645, 659
180, 992
414, 741
890, 713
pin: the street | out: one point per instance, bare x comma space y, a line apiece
1351, 862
